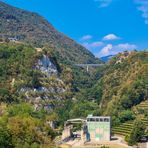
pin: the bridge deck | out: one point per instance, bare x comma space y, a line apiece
87, 65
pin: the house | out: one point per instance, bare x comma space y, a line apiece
99, 128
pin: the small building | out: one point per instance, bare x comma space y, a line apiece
99, 128
12, 39
94, 129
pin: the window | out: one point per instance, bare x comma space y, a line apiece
92, 119
101, 119
106, 120
97, 120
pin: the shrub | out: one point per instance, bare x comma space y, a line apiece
137, 132
126, 115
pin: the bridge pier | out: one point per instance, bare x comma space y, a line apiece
89, 65
87, 68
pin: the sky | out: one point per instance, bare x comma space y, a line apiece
105, 27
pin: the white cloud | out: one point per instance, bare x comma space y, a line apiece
126, 46
103, 3
143, 7
109, 49
92, 44
111, 37
105, 50
96, 44
86, 37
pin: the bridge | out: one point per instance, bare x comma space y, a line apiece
89, 65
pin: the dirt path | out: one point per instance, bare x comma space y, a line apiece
117, 142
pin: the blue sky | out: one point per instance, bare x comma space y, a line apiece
103, 26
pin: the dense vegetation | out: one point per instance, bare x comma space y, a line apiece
16, 65
137, 132
123, 85
133, 128
21, 126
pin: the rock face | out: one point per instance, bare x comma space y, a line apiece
46, 66
52, 87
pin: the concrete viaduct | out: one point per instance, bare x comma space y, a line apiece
89, 65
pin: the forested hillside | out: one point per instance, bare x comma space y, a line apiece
123, 85
125, 82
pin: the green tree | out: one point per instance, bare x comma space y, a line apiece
5, 136
126, 115
137, 132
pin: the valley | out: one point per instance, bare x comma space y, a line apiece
47, 78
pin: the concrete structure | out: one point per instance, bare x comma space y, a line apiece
94, 129
89, 65
68, 126
67, 132
99, 128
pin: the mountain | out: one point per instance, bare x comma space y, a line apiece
31, 28
106, 58
39, 67
123, 84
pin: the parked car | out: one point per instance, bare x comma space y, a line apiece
144, 139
